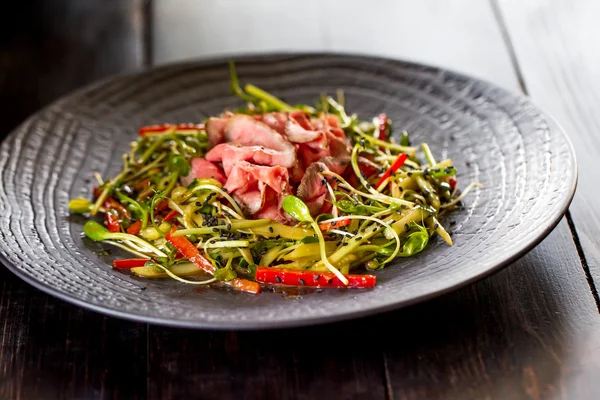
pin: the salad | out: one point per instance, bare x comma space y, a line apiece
272, 194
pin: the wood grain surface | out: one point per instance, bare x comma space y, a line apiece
50, 349
552, 44
532, 331
458, 36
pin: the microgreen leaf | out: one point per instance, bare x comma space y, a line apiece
297, 209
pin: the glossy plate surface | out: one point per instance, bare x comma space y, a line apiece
494, 137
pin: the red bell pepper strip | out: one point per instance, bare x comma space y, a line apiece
172, 214
452, 182
383, 126
112, 222
293, 277
135, 228
330, 225
129, 263
163, 128
191, 252
397, 164
161, 205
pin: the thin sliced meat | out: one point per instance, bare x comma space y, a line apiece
215, 129
313, 151
201, 168
336, 164
325, 122
313, 189
272, 208
297, 134
252, 201
276, 121
247, 131
301, 118
338, 146
252, 185
231, 153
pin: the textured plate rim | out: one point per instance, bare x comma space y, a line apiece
550, 224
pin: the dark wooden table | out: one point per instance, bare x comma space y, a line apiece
531, 331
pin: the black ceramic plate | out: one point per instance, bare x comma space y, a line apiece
496, 138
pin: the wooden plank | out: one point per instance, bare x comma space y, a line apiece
530, 331
429, 31
49, 349
302, 363
552, 42
54, 47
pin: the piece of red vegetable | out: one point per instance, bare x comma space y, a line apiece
129, 263
114, 207
397, 164
452, 182
172, 214
135, 228
191, 252
330, 225
292, 277
161, 205
165, 127
112, 222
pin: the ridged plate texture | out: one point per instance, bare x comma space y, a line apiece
499, 139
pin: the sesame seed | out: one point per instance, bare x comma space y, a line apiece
277, 279
271, 229
301, 281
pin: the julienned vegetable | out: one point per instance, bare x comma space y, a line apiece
293, 277
272, 194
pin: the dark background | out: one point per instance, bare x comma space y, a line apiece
531, 331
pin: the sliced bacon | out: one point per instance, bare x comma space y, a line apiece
202, 168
